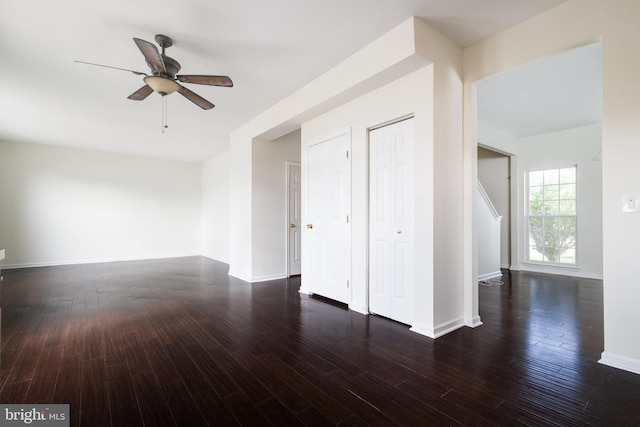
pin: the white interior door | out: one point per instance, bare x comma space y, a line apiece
391, 228
327, 230
295, 221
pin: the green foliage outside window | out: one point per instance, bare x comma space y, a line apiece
552, 216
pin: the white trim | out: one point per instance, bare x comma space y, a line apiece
441, 329
239, 276
487, 200
91, 261
620, 362
473, 322
488, 276
450, 326
559, 270
224, 261
423, 329
257, 279
268, 277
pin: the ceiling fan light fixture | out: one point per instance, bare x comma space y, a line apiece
161, 85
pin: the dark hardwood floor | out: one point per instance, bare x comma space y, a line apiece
179, 342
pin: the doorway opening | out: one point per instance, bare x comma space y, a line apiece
547, 114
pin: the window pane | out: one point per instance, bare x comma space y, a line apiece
568, 256
536, 231
567, 191
551, 255
567, 207
536, 178
551, 192
551, 207
534, 255
567, 175
536, 204
551, 176
567, 232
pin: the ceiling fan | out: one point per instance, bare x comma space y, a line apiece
164, 79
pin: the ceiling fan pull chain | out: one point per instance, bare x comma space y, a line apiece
164, 113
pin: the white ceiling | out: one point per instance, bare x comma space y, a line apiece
269, 49
558, 92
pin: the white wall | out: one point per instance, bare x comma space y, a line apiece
391, 56
567, 26
560, 149
215, 207
269, 215
62, 205
433, 95
410, 47
409, 95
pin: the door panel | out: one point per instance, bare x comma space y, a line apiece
328, 232
391, 221
295, 222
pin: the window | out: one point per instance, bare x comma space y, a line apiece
552, 216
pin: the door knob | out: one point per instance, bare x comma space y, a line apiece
399, 231
309, 225
292, 225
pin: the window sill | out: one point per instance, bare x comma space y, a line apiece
551, 264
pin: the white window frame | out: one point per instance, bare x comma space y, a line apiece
528, 216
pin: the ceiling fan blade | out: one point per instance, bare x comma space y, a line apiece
196, 99
206, 80
141, 93
151, 54
115, 68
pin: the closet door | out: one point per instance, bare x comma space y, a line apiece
391, 229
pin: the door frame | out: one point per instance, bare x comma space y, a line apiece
288, 165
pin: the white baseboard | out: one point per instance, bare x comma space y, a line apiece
488, 276
450, 326
268, 277
473, 322
257, 279
620, 362
224, 261
237, 275
561, 271
423, 329
505, 266
90, 261
438, 330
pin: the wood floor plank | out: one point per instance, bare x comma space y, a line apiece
179, 341
25, 366
94, 397
214, 410
183, 407
154, 411
43, 384
122, 397
69, 385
